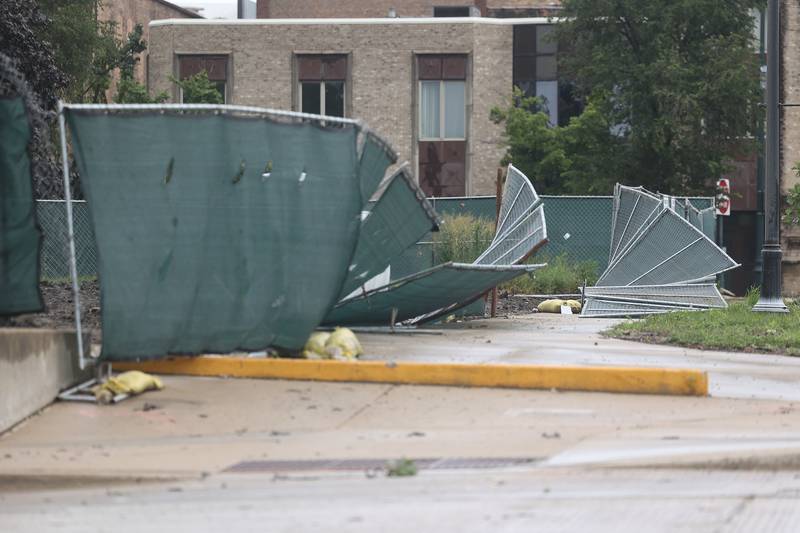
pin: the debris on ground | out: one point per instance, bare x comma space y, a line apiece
342, 344
401, 468
554, 306
130, 383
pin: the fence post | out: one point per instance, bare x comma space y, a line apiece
497, 202
73, 266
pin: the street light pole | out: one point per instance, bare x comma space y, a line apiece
771, 300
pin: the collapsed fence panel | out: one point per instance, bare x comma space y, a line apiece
219, 230
396, 221
448, 286
600, 308
704, 295
519, 240
668, 250
633, 208
445, 288
20, 237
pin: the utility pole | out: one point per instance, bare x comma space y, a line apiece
771, 300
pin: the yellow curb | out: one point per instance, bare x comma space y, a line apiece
574, 378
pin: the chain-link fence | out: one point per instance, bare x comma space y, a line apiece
578, 227
52, 217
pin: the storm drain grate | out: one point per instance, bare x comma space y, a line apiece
375, 464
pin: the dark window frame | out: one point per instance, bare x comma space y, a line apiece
216, 65
323, 70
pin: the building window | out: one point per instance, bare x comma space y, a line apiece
322, 84
442, 132
442, 97
215, 66
451, 11
536, 66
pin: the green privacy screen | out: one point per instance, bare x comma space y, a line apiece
393, 223
19, 235
427, 294
219, 231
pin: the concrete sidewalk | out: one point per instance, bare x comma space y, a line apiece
584, 461
198, 426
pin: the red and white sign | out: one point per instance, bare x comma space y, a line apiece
724, 197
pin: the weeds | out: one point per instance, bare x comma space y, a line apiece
401, 468
560, 276
462, 238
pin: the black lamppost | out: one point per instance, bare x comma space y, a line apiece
771, 299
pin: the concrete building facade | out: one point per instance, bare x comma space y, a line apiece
427, 85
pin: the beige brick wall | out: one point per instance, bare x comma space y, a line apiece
381, 86
790, 137
380, 8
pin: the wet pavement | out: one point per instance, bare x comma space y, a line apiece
585, 462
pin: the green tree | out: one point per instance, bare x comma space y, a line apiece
88, 49
581, 157
198, 89
21, 25
672, 90
129, 91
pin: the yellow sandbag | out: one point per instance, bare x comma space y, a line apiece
343, 344
131, 382
550, 306
315, 345
554, 306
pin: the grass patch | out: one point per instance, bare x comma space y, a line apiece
737, 328
560, 276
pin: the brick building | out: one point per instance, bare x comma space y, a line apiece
127, 13
425, 84
790, 136
285, 9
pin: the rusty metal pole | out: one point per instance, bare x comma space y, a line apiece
498, 201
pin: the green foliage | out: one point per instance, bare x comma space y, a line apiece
129, 91
87, 49
735, 328
198, 89
581, 157
672, 89
401, 468
462, 238
752, 296
791, 210
560, 276
22, 25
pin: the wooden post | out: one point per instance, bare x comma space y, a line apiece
498, 201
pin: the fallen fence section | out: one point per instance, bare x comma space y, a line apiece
220, 228
442, 289
659, 253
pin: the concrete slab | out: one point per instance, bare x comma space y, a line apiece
35, 364
198, 425
541, 500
